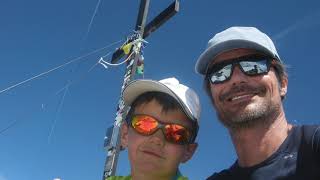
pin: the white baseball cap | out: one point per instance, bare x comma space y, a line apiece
184, 95
235, 38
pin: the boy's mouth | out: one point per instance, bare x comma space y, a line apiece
149, 152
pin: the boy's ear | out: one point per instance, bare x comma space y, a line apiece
124, 135
189, 151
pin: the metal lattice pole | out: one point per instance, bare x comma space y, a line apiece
112, 139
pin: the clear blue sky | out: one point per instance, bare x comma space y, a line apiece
37, 35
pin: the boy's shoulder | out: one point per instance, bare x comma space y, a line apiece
119, 178
129, 178
182, 178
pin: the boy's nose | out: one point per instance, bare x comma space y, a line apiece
157, 138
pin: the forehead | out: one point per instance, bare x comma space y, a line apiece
232, 54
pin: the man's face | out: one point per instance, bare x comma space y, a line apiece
245, 100
153, 154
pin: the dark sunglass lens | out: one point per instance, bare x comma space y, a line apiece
177, 134
221, 74
254, 67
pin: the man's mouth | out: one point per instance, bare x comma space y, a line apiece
241, 97
241, 93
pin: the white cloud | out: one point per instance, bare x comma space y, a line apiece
308, 21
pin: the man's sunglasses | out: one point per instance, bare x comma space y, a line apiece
174, 133
250, 65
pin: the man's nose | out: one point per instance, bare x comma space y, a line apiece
238, 76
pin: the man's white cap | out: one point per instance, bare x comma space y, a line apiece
184, 95
235, 38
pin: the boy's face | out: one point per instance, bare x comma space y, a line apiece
153, 154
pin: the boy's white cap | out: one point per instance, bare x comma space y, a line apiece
185, 96
234, 38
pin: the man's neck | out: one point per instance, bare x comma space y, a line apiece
255, 144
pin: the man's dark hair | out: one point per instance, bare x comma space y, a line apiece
167, 102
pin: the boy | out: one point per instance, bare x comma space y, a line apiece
160, 128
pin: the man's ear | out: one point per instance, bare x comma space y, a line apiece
124, 135
284, 87
189, 151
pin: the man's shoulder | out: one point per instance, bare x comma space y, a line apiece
307, 127
310, 134
310, 142
129, 178
222, 175
304, 133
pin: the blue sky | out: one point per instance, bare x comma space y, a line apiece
37, 35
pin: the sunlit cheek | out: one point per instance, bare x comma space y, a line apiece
274, 90
134, 140
254, 106
214, 97
175, 152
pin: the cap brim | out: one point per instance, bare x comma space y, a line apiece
211, 52
136, 88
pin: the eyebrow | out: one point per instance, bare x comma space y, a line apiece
227, 61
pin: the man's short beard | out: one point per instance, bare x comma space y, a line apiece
264, 115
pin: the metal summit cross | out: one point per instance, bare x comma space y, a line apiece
132, 48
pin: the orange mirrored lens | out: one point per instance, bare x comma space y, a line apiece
177, 134
174, 133
144, 124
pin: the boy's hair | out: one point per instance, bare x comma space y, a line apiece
167, 102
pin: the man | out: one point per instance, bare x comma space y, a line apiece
247, 82
160, 128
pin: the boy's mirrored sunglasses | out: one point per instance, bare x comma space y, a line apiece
175, 133
251, 66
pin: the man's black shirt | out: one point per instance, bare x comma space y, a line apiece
298, 157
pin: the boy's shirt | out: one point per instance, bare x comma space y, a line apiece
129, 178
178, 177
119, 178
